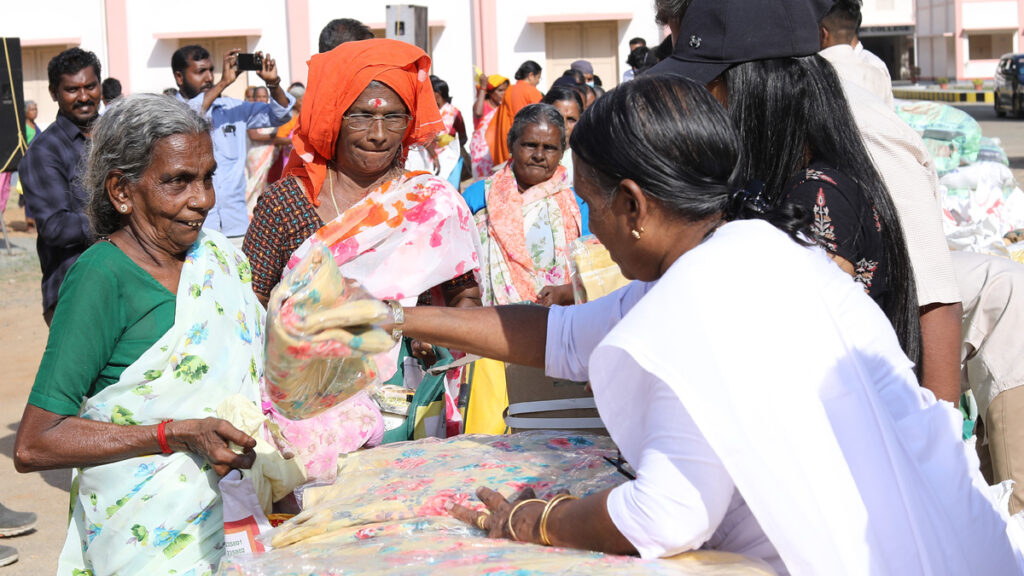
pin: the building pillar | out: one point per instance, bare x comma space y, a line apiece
485, 35
959, 38
118, 63
297, 13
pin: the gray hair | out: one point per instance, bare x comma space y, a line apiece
30, 103
297, 91
537, 114
123, 139
666, 11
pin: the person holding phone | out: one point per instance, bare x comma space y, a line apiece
231, 119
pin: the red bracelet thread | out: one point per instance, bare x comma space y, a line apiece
161, 437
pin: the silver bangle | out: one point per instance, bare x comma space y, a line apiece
398, 314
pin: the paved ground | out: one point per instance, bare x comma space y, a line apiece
23, 338
1009, 130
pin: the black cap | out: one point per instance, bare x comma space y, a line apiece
715, 35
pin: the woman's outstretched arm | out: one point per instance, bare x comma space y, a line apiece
516, 333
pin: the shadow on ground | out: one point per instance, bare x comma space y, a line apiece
60, 479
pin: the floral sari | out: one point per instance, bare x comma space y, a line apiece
258, 161
479, 151
406, 237
525, 237
161, 514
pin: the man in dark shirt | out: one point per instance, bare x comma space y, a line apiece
50, 170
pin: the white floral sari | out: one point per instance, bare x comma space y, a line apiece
162, 514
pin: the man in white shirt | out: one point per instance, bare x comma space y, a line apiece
840, 46
841, 27
989, 286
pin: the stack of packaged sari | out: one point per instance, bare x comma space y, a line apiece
322, 331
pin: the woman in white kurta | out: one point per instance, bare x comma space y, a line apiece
760, 395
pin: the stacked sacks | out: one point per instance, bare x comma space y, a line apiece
952, 137
981, 202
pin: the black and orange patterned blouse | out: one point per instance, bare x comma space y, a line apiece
284, 218
845, 224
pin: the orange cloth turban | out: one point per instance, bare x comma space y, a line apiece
336, 79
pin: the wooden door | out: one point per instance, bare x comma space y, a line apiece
217, 47
34, 61
593, 41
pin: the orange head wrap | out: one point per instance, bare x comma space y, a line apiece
336, 79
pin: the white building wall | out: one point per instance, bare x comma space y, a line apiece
989, 15
935, 27
33, 22
519, 41
150, 58
452, 50
888, 13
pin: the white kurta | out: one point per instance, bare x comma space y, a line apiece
766, 405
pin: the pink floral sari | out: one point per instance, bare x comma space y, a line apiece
479, 151
401, 240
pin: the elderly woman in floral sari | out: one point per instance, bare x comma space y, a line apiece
405, 236
155, 327
527, 215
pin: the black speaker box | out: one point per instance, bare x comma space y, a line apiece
12, 105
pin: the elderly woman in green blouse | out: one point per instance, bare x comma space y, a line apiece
156, 325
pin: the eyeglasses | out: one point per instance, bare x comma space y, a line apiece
393, 122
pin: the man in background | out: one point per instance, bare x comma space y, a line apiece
633, 45
840, 46
342, 30
230, 119
51, 168
111, 91
586, 68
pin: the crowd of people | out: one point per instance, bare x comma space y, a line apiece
781, 373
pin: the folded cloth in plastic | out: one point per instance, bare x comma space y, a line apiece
952, 136
416, 479
981, 203
322, 330
272, 475
446, 546
592, 270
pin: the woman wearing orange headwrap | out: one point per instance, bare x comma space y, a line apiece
401, 234
520, 95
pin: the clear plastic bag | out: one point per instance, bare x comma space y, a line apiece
593, 272
416, 479
446, 546
322, 330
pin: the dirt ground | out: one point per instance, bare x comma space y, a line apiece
22, 340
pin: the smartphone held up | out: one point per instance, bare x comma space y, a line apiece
245, 61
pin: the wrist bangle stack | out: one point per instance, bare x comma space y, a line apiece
273, 85
547, 512
512, 530
398, 313
161, 437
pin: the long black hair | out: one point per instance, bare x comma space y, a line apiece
670, 136
788, 108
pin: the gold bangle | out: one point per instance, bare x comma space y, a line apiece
513, 512
547, 511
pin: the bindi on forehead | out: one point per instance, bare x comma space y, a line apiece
377, 103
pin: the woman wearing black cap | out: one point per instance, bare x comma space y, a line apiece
759, 393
